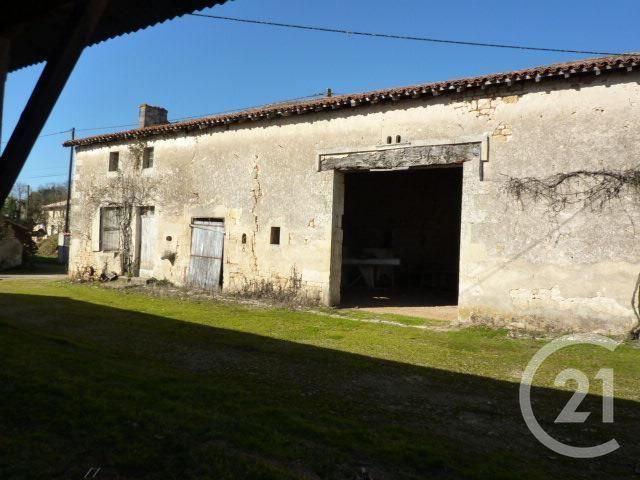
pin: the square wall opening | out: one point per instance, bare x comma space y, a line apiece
401, 237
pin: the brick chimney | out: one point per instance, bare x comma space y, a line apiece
151, 116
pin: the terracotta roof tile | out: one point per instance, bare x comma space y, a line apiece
556, 71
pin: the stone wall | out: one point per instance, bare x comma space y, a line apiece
574, 269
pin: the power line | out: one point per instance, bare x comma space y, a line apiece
48, 169
201, 115
135, 124
346, 32
45, 135
314, 95
105, 128
45, 172
400, 37
45, 176
181, 118
55, 133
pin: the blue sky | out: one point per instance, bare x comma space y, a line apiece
195, 66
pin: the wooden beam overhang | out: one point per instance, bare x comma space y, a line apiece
4, 68
47, 90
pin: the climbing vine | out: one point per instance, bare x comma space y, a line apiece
635, 304
591, 189
587, 188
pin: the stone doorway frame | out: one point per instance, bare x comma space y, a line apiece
350, 159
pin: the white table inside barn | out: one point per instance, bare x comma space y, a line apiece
368, 268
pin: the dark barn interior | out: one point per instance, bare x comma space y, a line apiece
401, 243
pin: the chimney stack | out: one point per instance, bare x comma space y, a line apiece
150, 115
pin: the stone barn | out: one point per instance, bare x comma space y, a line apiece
513, 195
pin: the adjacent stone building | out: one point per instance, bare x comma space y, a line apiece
514, 194
54, 214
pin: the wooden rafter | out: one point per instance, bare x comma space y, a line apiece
47, 90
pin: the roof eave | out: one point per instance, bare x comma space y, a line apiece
527, 76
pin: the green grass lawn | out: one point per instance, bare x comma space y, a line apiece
159, 388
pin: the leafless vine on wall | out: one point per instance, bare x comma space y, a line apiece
591, 189
635, 304
127, 189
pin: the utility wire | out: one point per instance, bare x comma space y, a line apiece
44, 176
104, 128
314, 95
184, 118
135, 124
207, 114
55, 133
37, 171
45, 135
400, 37
346, 32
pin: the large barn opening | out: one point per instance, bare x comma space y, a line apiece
401, 237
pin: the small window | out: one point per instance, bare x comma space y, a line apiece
275, 235
147, 211
114, 160
109, 229
389, 140
244, 238
398, 138
147, 157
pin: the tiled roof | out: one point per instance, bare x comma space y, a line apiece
593, 66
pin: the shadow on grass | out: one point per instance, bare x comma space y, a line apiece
144, 396
38, 266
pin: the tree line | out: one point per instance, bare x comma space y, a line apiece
24, 204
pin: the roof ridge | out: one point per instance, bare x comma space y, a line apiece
561, 70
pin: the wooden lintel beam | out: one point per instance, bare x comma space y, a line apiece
78, 32
402, 157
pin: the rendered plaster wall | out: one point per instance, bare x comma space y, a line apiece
569, 270
519, 263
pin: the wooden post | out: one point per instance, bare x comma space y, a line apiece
63, 248
4, 68
77, 34
67, 207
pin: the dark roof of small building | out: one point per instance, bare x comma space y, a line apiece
16, 225
568, 70
35, 27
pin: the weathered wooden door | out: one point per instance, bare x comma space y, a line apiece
146, 239
205, 264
